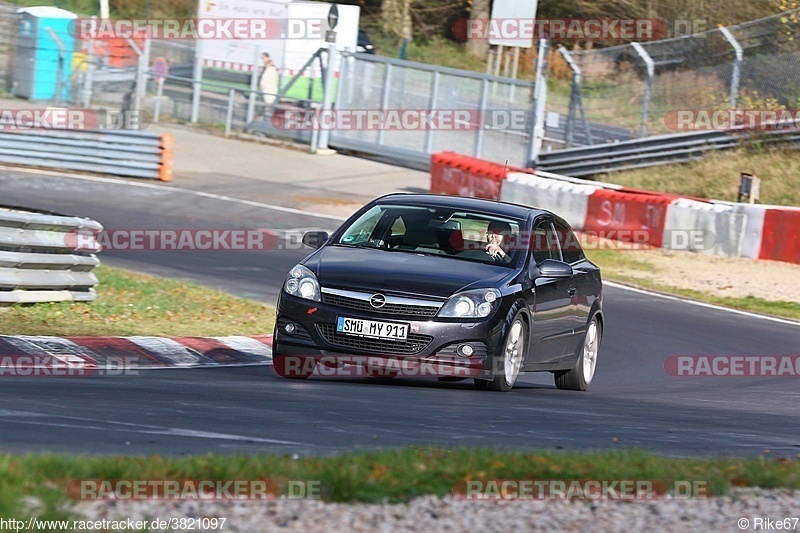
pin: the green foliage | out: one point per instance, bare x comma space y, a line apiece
136, 304
717, 176
393, 475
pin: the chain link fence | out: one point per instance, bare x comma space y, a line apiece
594, 96
636, 90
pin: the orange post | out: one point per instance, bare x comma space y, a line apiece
166, 146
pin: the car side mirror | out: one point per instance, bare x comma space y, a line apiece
315, 239
550, 268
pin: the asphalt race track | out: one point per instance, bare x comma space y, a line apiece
633, 402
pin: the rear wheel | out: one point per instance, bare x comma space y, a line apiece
293, 366
506, 367
582, 373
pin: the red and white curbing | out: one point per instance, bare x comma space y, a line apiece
669, 221
136, 353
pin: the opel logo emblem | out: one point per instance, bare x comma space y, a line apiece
377, 300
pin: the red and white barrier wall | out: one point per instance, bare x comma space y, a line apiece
569, 200
461, 175
663, 220
780, 239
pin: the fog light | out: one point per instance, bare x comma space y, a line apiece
289, 328
466, 350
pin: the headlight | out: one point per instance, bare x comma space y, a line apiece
302, 283
471, 304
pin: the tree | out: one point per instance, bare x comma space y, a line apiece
396, 18
479, 46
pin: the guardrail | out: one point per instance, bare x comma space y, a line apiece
654, 151
118, 152
46, 257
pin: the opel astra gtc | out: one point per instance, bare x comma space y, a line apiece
447, 286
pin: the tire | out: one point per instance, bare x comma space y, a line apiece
293, 366
581, 375
507, 365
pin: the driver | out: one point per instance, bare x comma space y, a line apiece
497, 234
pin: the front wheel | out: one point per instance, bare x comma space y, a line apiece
582, 373
506, 368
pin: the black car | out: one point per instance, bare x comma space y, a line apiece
423, 285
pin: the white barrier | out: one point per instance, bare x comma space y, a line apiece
752, 223
46, 258
718, 228
566, 198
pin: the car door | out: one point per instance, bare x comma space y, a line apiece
581, 284
553, 318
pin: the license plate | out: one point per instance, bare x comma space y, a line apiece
370, 328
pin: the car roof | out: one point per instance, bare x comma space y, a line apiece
491, 207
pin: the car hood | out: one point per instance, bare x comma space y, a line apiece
400, 272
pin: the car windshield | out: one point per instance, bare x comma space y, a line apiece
447, 232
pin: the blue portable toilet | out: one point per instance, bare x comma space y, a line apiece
44, 52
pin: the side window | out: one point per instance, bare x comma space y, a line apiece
544, 243
570, 245
399, 227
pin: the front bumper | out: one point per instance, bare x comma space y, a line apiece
429, 351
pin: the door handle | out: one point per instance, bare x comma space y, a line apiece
572, 291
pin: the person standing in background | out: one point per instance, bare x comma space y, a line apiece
268, 83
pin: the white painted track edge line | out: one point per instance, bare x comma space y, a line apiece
173, 189
702, 304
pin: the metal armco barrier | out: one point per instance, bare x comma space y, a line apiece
117, 152
654, 151
46, 258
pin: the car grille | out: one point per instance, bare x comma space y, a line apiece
415, 343
389, 308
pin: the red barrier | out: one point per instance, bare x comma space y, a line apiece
462, 175
780, 239
627, 216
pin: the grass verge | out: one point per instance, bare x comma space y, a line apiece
621, 267
136, 304
38, 484
717, 176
